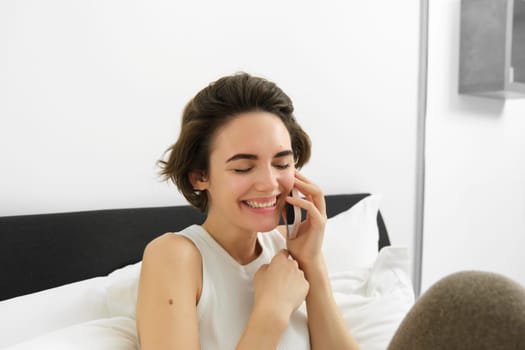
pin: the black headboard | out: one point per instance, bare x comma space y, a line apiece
43, 251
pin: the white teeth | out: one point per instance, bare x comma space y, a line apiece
261, 205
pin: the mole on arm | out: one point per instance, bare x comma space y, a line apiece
170, 301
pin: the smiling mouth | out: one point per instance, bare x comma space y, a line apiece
261, 205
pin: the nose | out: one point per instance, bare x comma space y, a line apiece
267, 179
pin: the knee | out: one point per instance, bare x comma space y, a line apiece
466, 310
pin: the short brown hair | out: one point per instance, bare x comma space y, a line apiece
213, 107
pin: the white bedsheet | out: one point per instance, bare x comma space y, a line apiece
117, 333
35, 314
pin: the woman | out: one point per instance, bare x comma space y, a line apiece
226, 284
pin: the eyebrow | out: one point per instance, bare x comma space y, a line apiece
255, 157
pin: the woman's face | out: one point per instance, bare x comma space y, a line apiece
251, 171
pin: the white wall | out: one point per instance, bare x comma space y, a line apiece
475, 185
91, 93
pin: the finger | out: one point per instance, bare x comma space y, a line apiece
303, 178
308, 205
262, 269
311, 190
296, 264
282, 253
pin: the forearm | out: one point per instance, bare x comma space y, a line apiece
263, 331
327, 327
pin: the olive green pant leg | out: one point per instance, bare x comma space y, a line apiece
466, 310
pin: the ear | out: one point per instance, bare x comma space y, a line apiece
198, 180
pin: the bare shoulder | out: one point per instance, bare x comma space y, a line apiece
169, 289
172, 260
171, 248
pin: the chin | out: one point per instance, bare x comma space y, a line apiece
265, 227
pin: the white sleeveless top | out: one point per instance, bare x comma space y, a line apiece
227, 296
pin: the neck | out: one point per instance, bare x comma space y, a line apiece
241, 245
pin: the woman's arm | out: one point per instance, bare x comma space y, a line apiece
263, 331
280, 287
327, 327
169, 288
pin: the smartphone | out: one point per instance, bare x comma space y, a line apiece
293, 216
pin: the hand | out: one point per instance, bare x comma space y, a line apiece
306, 246
280, 285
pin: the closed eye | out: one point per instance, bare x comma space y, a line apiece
246, 170
282, 166
242, 171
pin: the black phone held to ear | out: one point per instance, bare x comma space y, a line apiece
293, 217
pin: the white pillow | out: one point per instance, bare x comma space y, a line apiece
122, 289
351, 237
374, 301
118, 333
350, 242
38, 313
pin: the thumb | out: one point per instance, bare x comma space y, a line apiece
282, 253
263, 267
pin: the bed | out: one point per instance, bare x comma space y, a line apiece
70, 276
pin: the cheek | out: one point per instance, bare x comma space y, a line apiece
288, 179
238, 184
